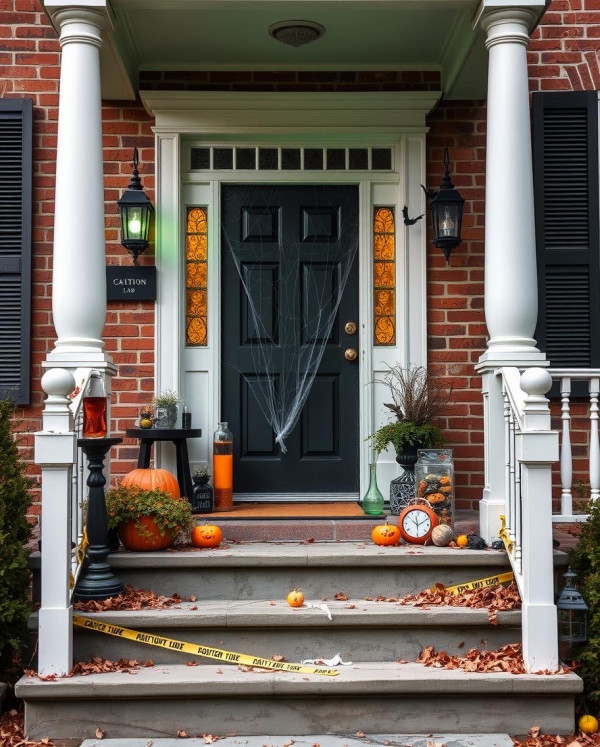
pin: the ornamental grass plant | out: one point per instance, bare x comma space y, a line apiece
417, 399
130, 503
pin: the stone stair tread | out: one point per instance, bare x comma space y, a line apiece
269, 613
222, 680
323, 740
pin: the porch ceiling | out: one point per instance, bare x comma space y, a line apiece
233, 34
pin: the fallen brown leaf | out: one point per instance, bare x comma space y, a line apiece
181, 734
340, 596
99, 733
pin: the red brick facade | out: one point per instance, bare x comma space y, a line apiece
563, 55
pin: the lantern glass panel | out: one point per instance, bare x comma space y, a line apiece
446, 219
572, 626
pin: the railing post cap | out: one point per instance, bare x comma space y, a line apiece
536, 381
58, 382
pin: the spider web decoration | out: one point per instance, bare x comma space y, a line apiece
302, 331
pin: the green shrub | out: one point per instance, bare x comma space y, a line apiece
14, 533
585, 561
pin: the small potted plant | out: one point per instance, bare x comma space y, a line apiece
166, 409
417, 399
146, 519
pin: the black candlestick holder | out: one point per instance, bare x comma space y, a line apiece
96, 581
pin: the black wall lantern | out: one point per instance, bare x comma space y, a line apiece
136, 213
572, 616
446, 212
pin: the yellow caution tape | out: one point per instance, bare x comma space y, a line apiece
227, 657
503, 534
482, 583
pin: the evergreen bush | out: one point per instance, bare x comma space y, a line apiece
15, 531
585, 561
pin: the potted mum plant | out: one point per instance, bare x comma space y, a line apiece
165, 404
146, 519
417, 399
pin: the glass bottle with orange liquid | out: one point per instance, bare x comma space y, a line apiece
95, 406
223, 468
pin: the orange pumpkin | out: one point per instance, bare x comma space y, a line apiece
386, 534
150, 540
206, 535
295, 598
152, 479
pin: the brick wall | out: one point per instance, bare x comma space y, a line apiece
563, 55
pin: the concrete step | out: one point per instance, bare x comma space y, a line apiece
358, 630
271, 570
323, 740
369, 697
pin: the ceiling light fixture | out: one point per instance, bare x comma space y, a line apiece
296, 33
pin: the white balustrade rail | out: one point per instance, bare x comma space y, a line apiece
530, 447
566, 377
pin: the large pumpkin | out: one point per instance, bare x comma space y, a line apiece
132, 539
152, 479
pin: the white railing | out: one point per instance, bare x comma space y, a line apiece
530, 448
591, 378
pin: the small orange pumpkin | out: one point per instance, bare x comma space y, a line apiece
385, 534
295, 598
206, 535
152, 479
462, 540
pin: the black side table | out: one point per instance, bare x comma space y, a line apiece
179, 436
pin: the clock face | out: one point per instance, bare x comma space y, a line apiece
417, 523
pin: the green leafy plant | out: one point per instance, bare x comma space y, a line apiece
129, 503
585, 561
15, 531
201, 472
166, 398
417, 399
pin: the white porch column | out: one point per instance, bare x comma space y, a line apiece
78, 279
511, 299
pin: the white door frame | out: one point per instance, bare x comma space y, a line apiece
395, 119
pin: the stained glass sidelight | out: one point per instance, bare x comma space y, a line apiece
196, 277
384, 276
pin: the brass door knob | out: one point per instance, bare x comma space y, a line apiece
350, 328
350, 354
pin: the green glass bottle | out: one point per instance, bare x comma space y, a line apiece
372, 503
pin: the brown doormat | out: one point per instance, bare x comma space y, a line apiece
293, 510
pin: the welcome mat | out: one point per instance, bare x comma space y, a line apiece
341, 510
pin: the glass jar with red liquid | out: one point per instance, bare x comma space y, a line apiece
95, 410
223, 468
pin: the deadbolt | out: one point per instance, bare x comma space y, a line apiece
350, 328
350, 354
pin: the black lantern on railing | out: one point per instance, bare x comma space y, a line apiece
136, 213
446, 212
572, 615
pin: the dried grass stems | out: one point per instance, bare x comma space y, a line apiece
417, 396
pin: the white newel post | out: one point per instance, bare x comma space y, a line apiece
537, 449
511, 299
55, 453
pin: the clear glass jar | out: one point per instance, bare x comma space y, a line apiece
223, 468
434, 481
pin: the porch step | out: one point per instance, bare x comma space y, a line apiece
323, 740
270, 570
358, 630
367, 696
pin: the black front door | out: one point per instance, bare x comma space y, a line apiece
289, 253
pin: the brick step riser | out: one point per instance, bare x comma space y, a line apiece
366, 644
346, 715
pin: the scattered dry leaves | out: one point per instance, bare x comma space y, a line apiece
12, 734
95, 665
535, 739
508, 658
131, 599
495, 598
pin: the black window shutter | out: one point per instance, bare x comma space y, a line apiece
15, 248
565, 166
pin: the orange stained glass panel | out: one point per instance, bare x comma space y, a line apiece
384, 276
196, 277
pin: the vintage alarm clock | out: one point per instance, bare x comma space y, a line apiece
416, 522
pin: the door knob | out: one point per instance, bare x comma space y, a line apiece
350, 354
350, 328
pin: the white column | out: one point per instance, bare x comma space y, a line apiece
55, 453
78, 279
511, 299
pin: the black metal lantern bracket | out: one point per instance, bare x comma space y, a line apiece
136, 214
446, 205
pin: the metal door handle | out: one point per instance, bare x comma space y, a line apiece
350, 328
350, 354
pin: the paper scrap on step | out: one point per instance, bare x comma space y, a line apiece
323, 607
335, 661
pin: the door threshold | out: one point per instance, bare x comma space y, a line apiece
287, 510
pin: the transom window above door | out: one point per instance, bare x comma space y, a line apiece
244, 158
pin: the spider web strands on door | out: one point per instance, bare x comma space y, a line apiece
302, 330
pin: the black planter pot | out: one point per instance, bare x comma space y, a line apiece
402, 489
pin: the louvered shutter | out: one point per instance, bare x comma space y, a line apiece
15, 248
565, 160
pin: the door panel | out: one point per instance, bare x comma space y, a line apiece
285, 256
